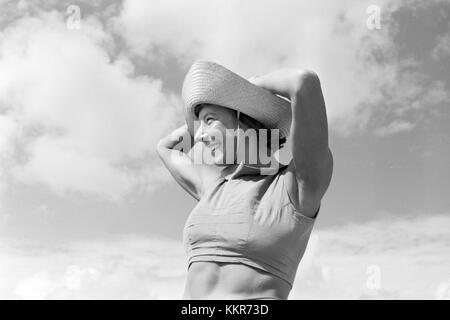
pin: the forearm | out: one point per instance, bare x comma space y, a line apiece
168, 143
284, 82
180, 139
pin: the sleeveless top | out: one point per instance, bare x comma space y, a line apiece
248, 217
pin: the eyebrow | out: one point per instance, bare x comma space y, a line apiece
207, 113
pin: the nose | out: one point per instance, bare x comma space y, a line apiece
200, 134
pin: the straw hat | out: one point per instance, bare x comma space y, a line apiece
209, 82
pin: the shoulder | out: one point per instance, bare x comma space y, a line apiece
304, 200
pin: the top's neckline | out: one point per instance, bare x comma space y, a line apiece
236, 170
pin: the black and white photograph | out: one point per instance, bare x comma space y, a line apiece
238, 150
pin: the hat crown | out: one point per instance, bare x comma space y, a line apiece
209, 82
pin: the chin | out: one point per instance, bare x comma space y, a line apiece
218, 158
220, 161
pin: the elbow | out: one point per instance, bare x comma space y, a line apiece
306, 81
308, 76
160, 147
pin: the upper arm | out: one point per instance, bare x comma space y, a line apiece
190, 176
312, 158
182, 170
305, 198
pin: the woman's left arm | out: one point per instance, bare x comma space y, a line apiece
309, 132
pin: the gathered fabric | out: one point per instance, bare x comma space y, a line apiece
249, 218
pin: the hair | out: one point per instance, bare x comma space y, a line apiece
255, 124
250, 123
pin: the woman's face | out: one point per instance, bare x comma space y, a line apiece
213, 122
224, 144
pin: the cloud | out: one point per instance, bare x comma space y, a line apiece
73, 117
76, 117
394, 127
362, 71
401, 257
7, 129
396, 257
442, 48
127, 267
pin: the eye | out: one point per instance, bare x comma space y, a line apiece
208, 120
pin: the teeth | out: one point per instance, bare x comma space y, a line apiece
213, 149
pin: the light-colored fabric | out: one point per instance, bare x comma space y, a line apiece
249, 218
209, 82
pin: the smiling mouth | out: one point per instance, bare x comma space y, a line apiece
213, 148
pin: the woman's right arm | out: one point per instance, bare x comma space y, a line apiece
173, 150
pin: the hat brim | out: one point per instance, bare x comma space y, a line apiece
210, 83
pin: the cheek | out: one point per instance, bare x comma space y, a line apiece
218, 133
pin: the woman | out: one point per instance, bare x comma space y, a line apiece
249, 230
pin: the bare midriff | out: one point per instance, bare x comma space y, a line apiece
218, 280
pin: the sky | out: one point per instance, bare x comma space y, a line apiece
87, 210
